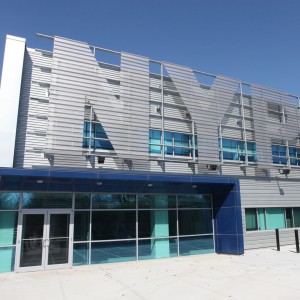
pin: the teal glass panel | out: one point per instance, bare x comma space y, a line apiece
275, 218
82, 201
168, 138
8, 227
196, 245
157, 248
111, 225
294, 155
9, 200
289, 217
195, 221
182, 151
182, 140
156, 201
279, 154
47, 200
113, 201
157, 223
251, 219
296, 211
154, 149
229, 145
241, 145
154, 137
106, 252
7, 259
99, 131
194, 201
81, 225
261, 219
80, 254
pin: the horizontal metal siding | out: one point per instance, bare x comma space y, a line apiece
33, 112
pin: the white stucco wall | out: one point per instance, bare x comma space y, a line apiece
9, 97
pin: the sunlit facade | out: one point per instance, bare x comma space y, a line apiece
108, 156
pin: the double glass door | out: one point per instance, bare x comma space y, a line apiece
44, 240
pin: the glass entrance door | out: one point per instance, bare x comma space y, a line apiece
45, 240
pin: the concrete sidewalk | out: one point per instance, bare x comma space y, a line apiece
259, 274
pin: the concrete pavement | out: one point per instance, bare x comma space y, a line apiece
259, 274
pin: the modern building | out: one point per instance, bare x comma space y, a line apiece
108, 156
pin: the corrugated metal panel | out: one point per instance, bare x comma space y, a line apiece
206, 107
135, 96
33, 112
76, 78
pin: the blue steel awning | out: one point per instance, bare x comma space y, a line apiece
110, 181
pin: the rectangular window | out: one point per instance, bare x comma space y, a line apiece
296, 212
275, 218
294, 156
289, 217
251, 219
175, 143
47, 200
235, 150
272, 218
279, 154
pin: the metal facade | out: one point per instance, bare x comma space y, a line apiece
129, 99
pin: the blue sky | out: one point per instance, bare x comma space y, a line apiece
256, 41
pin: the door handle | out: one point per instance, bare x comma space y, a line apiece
45, 244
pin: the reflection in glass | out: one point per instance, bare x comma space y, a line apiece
196, 245
157, 248
113, 201
296, 211
8, 227
110, 225
82, 201
59, 225
7, 259
9, 200
157, 223
80, 254
289, 217
81, 225
194, 201
32, 240
156, 201
251, 219
58, 251
47, 200
195, 221
105, 252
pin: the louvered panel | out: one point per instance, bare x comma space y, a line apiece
110, 72
77, 77
178, 126
260, 115
155, 96
135, 96
175, 112
232, 133
155, 81
33, 104
172, 98
206, 106
155, 123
